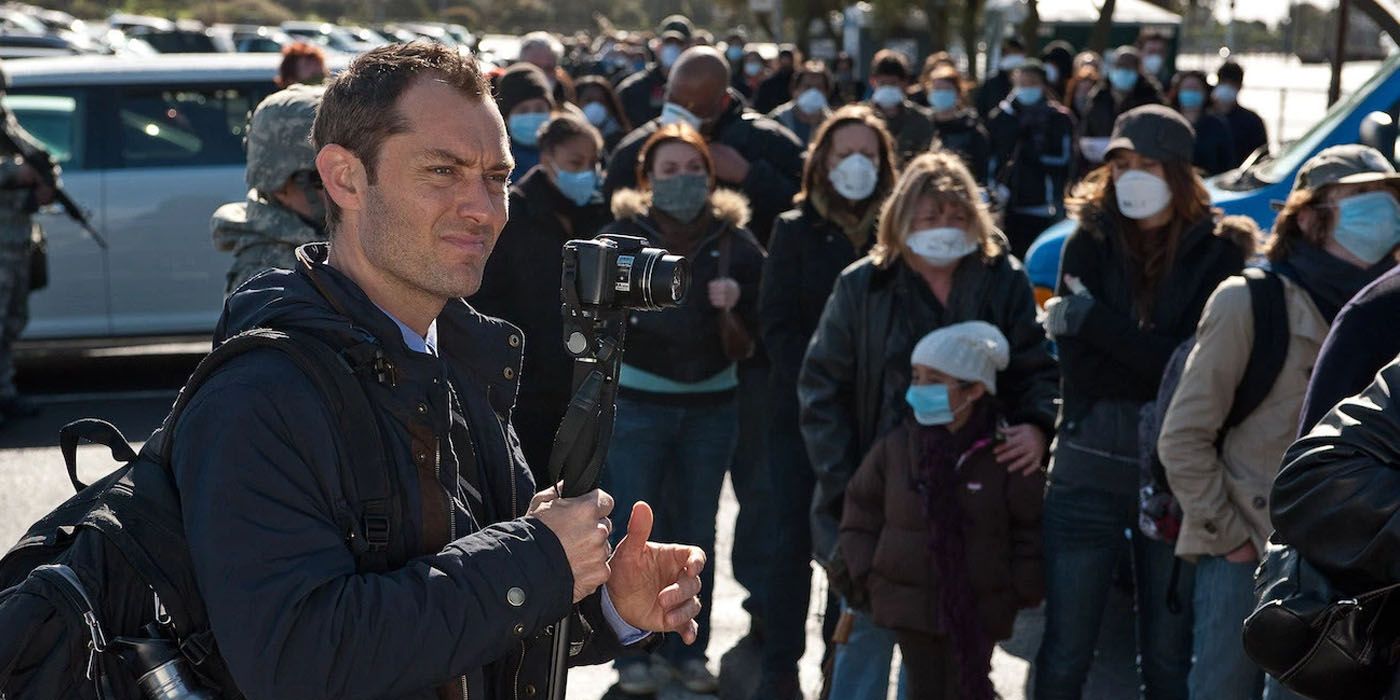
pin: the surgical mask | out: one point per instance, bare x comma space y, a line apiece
1123, 79
1191, 99
1141, 195
577, 186
597, 114
1028, 96
941, 246
734, 53
887, 96
524, 127
854, 177
1368, 225
1226, 94
1052, 73
681, 196
1011, 62
931, 404
942, 99
752, 68
811, 101
1152, 63
672, 113
669, 54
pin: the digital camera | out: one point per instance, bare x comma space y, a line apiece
621, 272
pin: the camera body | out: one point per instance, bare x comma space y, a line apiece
612, 273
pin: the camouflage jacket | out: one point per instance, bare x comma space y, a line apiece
16, 205
261, 235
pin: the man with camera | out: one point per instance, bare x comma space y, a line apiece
413, 157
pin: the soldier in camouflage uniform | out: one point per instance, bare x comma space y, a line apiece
285, 206
22, 192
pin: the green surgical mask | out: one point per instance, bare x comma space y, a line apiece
681, 196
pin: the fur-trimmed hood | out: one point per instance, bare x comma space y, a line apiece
726, 205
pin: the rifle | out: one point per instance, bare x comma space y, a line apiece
47, 173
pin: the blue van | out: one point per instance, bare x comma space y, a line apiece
1368, 116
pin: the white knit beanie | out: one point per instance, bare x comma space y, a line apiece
973, 351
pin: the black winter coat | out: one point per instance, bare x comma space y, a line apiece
1364, 337
773, 152
521, 285
993, 91
1338, 493
964, 135
773, 91
1117, 355
1215, 146
643, 94
257, 454
805, 256
1033, 151
912, 129
683, 344
857, 370
1247, 131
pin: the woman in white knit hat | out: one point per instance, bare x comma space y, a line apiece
941, 541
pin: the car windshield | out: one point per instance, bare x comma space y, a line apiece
1291, 158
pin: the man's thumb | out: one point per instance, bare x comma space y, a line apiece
638, 527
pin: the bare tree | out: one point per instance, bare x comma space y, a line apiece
1098, 41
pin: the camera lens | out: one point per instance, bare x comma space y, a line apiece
664, 281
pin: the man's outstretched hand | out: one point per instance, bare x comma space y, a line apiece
653, 586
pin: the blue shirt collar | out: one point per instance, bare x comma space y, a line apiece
422, 344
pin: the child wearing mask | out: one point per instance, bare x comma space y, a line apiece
941, 540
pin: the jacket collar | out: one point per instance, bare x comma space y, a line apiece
486, 349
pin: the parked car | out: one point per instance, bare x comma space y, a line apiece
149, 148
1369, 115
327, 35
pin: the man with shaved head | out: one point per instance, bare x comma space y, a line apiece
757, 156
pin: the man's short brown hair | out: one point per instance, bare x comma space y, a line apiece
360, 106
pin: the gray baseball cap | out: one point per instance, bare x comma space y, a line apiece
1155, 131
278, 138
1346, 164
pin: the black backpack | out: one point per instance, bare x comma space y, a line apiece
102, 588
1159, 514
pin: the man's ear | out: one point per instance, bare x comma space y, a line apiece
344, 177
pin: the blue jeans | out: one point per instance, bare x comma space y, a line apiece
1084, 539
862, 667
673, 457
1224, 598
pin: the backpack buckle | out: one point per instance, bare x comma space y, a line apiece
197, 647
376, 531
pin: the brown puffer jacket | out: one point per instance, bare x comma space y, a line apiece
885, 536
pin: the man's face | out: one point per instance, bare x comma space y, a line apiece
438, 204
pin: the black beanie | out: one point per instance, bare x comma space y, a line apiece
521, 82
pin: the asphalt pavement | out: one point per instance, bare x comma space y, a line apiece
134, 388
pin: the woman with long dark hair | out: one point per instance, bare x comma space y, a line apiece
600, 104
848, 173
1135, 276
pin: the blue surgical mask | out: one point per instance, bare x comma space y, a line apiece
734, 53
930, 403
524, 127
1191, 99
1368, 225
577, 186
942, 99
1123, 79
1028, 96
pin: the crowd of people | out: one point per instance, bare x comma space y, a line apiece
864, 356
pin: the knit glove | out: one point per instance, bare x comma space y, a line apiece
1064, 316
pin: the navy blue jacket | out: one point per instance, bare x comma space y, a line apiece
257, 465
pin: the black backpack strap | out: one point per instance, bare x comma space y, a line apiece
366, 479
1270, 348
96, 431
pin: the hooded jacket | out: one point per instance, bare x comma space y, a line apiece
261, 235
774, 155
683, 343
255, 461
856, 370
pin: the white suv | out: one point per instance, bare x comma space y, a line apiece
149, 148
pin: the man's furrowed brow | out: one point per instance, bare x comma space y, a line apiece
439, 155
